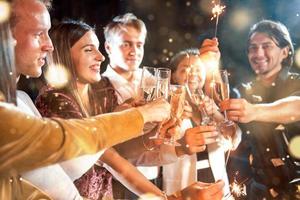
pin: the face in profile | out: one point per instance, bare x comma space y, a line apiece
31, 33
126, 52
87, 58
264, 55
190, 68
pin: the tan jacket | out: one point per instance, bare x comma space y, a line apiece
29, 142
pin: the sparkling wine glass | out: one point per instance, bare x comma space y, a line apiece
163, 82
148, 83
220, 92
194, 86
177, 100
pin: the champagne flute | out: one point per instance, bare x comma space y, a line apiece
220, 93
177, 100
163, 82
194, 86
148, 83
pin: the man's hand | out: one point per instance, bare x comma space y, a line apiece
239, 110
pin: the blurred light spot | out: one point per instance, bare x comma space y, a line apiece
294, 147
168, 4
198, 20
171, 53
205, 6
57, 76
297, 57
4, 11
28, 77
297, 14
247, 132
150, 17
155, 62
163, 30
188, 3
267, 149
170, 40
240, 19
10, 73
165, 50
273, 84
187, 36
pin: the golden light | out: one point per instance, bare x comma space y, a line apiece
240, 19
4, 11
297, 57
57, 76
294, 147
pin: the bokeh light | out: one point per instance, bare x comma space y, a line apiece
4, 11
294, 147
240, 19
297, 57
57, 76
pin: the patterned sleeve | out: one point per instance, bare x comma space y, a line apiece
53, 103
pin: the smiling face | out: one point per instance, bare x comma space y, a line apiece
126, 51
264, 55
31, 33
87, 58
180, 76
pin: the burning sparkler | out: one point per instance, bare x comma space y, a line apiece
216, 11
238, 189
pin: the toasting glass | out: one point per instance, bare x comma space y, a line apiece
220, 92
148, 83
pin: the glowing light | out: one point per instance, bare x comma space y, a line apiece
294, 147
267, 149
57, 76
4, 11
217, 10
170, 40
188, 3
297, 57
240, 19
238, 189
10, 73
247, 132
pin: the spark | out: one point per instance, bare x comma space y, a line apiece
238, 189
216, 11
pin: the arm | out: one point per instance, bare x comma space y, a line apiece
30, 142
281, 111
127, 174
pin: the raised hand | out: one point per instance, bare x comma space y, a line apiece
239, 110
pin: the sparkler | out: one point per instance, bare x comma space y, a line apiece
216, 11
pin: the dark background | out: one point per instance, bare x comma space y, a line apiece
177, 24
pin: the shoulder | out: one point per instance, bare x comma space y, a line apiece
57, 103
